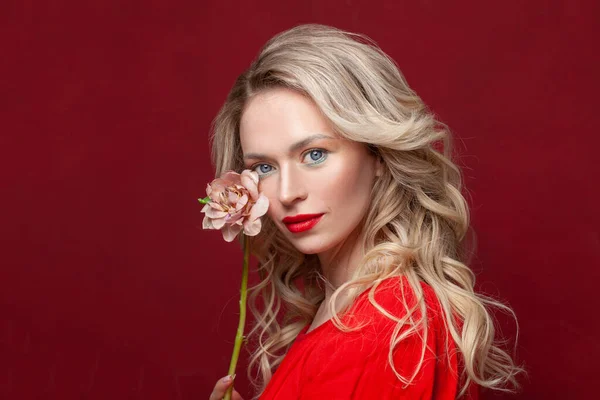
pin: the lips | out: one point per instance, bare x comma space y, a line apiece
300, 218
301, 222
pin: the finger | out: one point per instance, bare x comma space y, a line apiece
236, 396
221, 387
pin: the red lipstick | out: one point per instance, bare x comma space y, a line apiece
301, 222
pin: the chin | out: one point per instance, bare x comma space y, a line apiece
311, 245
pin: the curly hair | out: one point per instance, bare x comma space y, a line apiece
418, 223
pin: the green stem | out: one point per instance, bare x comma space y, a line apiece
239, 337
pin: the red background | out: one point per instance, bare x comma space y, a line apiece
109, 289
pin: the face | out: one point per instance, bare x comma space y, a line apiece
305, 168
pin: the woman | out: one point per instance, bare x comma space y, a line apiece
363, 243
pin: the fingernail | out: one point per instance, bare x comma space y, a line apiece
229, 378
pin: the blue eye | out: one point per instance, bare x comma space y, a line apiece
317, 156
261, 170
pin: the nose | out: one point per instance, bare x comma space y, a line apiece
291, 186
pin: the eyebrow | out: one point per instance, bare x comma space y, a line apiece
294, 147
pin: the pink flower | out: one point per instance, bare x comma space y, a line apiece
233, 204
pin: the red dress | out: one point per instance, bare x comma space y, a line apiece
329, 364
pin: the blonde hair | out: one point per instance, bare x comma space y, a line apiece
416, 225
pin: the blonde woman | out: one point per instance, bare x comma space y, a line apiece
364, 285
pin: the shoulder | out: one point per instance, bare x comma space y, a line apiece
389, 333
359, 360
397, 297
392, 309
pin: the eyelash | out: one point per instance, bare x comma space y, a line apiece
325, 154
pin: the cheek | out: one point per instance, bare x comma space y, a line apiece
272, 213
347, 184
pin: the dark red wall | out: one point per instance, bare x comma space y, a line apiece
109, 289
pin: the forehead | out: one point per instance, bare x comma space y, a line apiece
278, 117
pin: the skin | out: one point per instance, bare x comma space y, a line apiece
221, 387
336, 179
329, 175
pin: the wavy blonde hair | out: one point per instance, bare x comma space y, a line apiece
416, 225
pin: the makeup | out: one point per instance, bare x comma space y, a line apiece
301, 222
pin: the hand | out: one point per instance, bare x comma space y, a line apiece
220, 389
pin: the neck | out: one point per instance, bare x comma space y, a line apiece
339, 263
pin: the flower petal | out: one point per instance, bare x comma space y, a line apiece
233, 218
216, 206
259, 208
252, 228
232, 197
230, 178
241, 203
235, 204
255, 176
207, 223
230, 232
218, 223
218, 185
250, 182
212, 213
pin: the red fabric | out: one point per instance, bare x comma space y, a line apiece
327, 363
